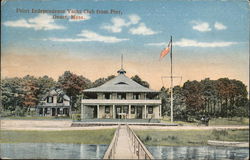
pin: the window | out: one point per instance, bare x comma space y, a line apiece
107, 96
121, 83
150, 110
45, 110
125, 109
132, 109
121, 95
60, 99
136, 96
49, 99
107, 109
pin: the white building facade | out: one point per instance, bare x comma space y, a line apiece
121, 98
54, 103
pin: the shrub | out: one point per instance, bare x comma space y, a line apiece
76, 117
218, 133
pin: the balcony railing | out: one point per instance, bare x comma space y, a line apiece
121, 101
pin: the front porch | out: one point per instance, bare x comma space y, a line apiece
120, 111
53, 110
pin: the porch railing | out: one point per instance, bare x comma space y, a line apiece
139, 149
109, 154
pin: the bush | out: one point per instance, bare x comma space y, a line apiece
6, 113
76, 117
218, 133
148, 138
19, 111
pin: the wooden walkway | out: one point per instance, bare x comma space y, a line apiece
126, 145
124, 148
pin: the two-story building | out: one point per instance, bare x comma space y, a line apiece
54, 103
121, 97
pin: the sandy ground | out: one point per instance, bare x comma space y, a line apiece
58, 125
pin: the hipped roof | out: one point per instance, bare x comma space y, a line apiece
120, 83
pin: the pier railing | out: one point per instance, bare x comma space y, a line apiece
109, 154
139, 149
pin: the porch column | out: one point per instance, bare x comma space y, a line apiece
82, 112
113, 111
145, 111
160, 111
51, 111
129, 111
43, 111
97, 111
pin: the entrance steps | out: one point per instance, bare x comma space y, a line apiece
114, 122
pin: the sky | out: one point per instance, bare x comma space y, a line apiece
210, 38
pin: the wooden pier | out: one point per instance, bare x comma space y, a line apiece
126, 145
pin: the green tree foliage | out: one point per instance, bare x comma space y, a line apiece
73, 85
22, 94
137, 79
12, 93
101, 81
193, 95
215, 98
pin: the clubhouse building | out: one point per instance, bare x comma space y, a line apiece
120, 98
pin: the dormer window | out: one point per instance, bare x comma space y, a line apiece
60, 99
121, 83
49, 99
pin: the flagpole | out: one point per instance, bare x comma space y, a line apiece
171, 88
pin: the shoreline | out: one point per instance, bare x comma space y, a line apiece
63, 125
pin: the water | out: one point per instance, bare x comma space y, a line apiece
198, 152
89, 151
51, 151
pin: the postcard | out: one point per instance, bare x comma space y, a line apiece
124, 79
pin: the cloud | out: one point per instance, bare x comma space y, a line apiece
116, 26
219, 26
89, 36
41, 22
118, 23
142, 29
83, 16
134, 19
201, 26
193, 43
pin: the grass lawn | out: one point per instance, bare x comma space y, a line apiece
78, 136
190, 137
213, 121
229, 121
36, 118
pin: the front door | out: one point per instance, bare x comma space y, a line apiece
53, 111
95, 112
139, 112
118, 110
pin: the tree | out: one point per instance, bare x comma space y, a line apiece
210, 95
73, 85
101, 81
30, 88
137, 79
12, 93
45, 84
179, 108
194, 99
165, 103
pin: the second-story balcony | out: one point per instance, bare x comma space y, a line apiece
121, 101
